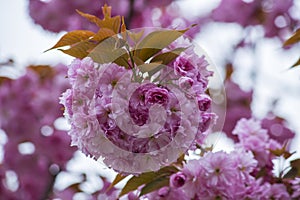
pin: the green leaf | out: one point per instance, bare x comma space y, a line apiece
138, 61
123, 60
291, 174
137, 181
117, 179
295, 169
157, 69
135, 37
296, 164
147, 67
164, 59
155, 184
72, 38
147, 178
107, 52
155, 42
293, 39
167, 57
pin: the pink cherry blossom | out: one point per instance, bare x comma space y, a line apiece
35, 146
106, 106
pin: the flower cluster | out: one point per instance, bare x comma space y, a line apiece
138, 126
215, 175
35, 147
253, 138
231, 175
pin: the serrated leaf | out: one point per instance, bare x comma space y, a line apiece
155, 42
72, 38
167, 57
293, 39
155, 185
296, 63
146, 178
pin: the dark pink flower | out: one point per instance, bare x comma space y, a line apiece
157, 95
177, 180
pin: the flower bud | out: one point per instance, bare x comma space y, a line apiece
177, 180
